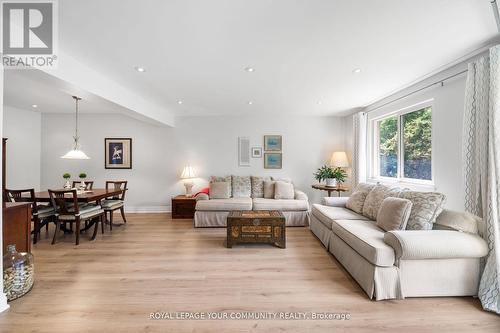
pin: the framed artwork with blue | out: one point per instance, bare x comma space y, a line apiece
272, 142
118, 153
273, 160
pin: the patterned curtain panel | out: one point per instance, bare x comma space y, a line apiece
359, 155
482, 164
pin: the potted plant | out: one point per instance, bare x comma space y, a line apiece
82, 176
332, 176
67, 177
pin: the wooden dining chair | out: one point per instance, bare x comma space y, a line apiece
89, 184
65, 202
41, 215
115, 203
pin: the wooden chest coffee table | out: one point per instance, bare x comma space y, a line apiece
256, 227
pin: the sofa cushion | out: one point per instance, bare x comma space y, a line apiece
220, 190
283, 190
284, 204
452, 220
269, 189
258, 186
376, 196
325, 214
357, 198
224, 205
393, 214
242, 186
426, 208
366, 239
227, 179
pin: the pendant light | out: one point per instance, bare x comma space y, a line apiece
76, 153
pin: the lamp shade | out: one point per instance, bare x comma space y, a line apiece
75, 154
188, 172
339, 159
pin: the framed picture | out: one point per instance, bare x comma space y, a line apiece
273, 160
118, 153
243, 151
272, 142
256, 152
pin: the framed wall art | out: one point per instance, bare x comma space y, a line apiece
118, 153
256, 152
272, 142
273, 160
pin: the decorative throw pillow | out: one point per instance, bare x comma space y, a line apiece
358, 197
242, 186
220, 190
283, 190
426, 208
376, 196
258, 186
226, 179
269, 189
393, 214
284, 179
451, 220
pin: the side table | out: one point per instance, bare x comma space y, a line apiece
183, 207
330, 189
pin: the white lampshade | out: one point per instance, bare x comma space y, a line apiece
188, 172
75, 154
339, 159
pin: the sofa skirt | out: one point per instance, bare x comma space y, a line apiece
214, 219
320, 231
377, 282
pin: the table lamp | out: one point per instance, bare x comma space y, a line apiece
339, 159
188, 175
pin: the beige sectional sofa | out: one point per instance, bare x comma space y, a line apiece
442, 261
212, 212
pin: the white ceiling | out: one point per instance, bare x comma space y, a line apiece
303, 52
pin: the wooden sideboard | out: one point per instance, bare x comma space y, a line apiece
17, 225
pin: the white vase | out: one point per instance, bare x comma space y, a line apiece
82, 185
331, 182
67, 185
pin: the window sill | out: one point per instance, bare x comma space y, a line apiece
414, 186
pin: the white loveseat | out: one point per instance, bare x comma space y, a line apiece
213, 212
444, 261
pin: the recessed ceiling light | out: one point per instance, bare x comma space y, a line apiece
34, 106
250, 102
249, 69
140, 69
356, 70
179, 102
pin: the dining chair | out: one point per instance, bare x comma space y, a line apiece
89, 184
65, 202
116, 202
41, 215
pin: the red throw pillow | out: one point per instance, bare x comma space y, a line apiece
205, 190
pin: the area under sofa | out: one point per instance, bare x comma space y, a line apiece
444, 261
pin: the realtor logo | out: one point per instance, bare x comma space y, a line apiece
28, 33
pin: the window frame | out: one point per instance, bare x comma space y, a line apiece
374, 145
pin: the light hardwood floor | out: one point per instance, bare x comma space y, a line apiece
158, 264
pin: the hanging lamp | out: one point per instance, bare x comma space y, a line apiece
76, 153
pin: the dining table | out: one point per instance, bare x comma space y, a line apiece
83, 196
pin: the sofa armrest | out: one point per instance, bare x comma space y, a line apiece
334, 201
435, 244
202, 196
299, 195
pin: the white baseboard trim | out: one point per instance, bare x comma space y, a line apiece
148, 209
3, 302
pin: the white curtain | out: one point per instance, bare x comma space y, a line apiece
359, 155
482, 164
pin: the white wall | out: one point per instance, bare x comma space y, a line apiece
447, 115
209, 144
23, 130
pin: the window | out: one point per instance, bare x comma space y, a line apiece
403, 146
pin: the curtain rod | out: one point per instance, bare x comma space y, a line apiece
441, 82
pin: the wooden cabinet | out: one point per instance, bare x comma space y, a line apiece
183, 207
17, 226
